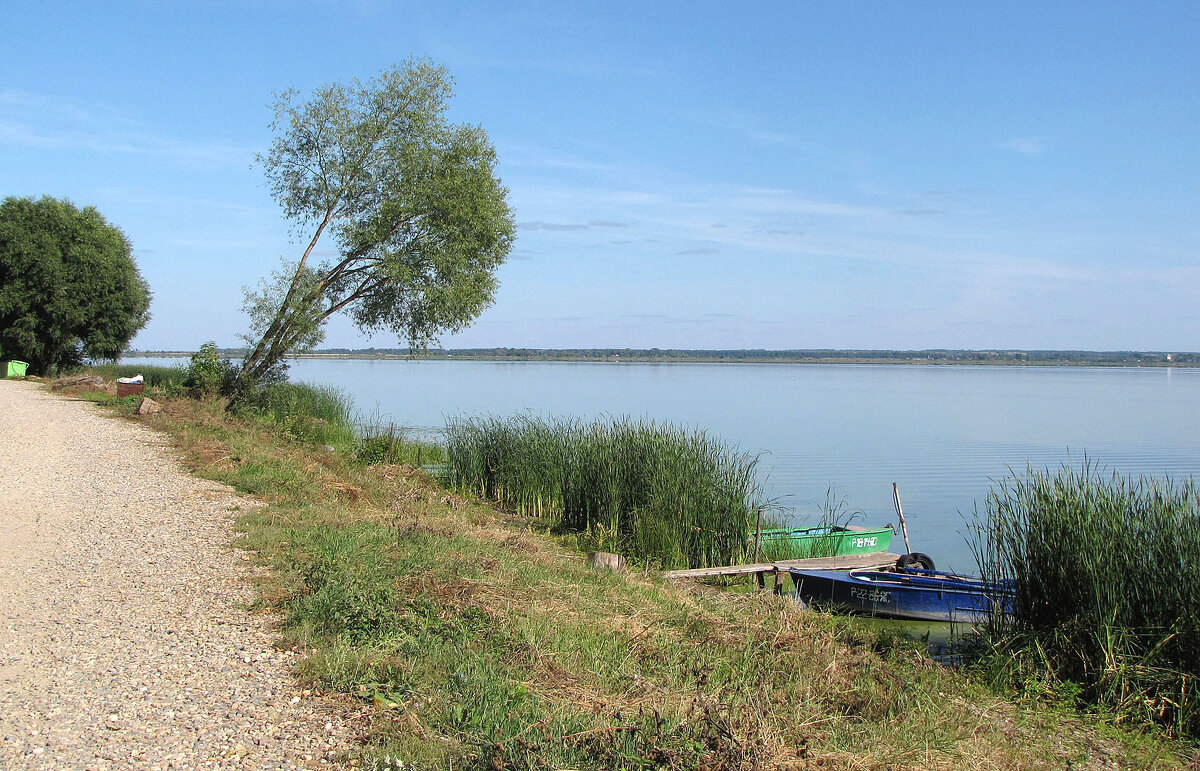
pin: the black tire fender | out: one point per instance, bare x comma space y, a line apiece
915, 560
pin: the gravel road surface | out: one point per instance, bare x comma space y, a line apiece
124, 639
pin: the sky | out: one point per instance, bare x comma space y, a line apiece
778, 175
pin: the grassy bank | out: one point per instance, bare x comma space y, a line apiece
481, 642
1106, 571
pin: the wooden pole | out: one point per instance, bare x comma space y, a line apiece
758, 537
900, 513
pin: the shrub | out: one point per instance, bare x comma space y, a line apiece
307, 413
207, 374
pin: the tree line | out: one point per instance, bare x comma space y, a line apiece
811, 355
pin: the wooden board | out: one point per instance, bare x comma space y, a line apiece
848, 562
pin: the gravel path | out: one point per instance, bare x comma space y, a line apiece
124, 642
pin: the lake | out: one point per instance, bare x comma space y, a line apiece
941, 432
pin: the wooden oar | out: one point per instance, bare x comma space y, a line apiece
900, 513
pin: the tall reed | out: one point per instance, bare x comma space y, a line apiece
1106, 574
311, 413
653, 491
392, 444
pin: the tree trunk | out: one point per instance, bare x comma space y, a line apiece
257, 362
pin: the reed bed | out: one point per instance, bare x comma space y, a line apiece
1106, 571
310, 413
654, 492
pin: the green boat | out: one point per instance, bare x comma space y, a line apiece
826, 541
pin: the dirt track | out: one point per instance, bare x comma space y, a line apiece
124, 642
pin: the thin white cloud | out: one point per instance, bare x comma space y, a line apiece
553, 226
48, 123
750, 127
1025, 145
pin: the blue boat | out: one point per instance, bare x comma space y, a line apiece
908, 593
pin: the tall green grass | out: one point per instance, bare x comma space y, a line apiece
396, 445
307, 413
169, 379
652, 491
1106, 573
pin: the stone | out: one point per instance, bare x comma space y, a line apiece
148, 406
603, 559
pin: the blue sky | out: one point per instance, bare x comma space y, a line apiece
696, 175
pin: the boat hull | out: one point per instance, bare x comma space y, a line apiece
802, 543
921, 595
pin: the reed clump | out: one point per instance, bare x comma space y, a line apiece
315, 414
1106, 575
396, 445
654, 492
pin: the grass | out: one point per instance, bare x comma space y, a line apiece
167, 379
656, 493
1106, 571
318, 415
481, 643
395, 445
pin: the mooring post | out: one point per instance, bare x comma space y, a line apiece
758, 538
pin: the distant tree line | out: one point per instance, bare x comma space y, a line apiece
810, 355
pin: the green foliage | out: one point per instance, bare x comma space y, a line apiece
350, 593
69, 288
207, 374
166, 379
393, 445
307, 413
678, 498
419, 218
1106, 572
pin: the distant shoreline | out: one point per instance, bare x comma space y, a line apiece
808, 356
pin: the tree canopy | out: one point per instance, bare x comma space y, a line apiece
69, 288
419, 219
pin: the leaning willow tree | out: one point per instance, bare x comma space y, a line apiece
411, 200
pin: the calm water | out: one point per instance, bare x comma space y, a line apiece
941, 433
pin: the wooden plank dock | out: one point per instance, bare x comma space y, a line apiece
761, 569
